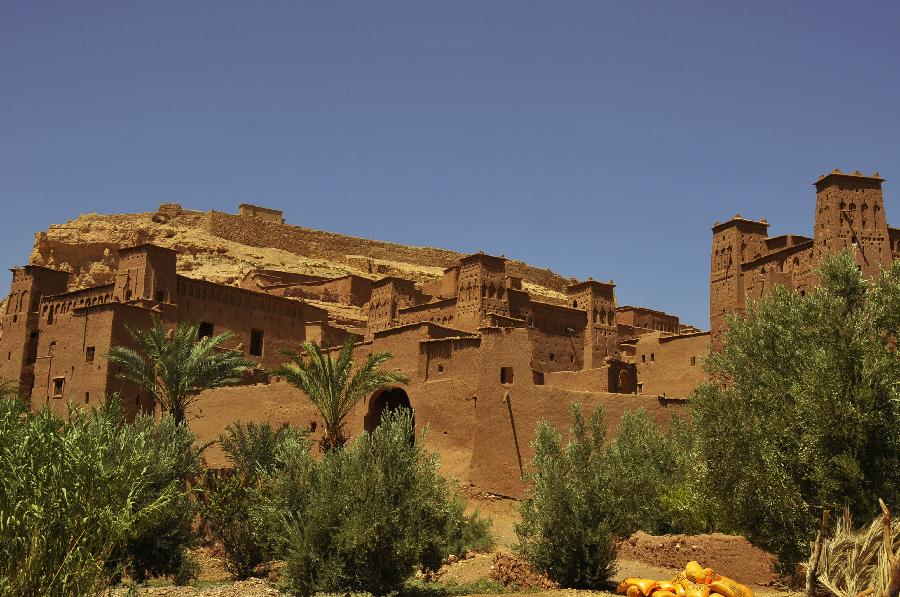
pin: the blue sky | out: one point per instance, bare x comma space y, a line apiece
595, 138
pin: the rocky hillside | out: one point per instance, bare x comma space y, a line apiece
222, 248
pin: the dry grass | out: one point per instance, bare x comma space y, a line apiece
854, 560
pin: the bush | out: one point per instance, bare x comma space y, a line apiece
587, 495
650, 478
75, 493
253, 447
161, 547
363, 517
802, 412
566, 528
233, 512
232, 516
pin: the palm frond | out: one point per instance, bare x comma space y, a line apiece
331, 383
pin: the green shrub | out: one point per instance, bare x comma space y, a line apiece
232, 516
651, 478
234, 508
802, 412
161, 547
74, 493
253, 447
363, 517
566, 528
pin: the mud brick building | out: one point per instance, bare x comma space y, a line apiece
486, 358
746, 262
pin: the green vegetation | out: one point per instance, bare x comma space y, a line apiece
333, 386
566, 520
803, 411
175, 367
234, 509
88, 497
363, 517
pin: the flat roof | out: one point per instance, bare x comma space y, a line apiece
737, 220
261, 208
836, 173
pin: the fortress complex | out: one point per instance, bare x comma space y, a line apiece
746, 262
486, 358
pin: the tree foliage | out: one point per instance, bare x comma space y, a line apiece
333, 385
175, 368
802, 412
566, 521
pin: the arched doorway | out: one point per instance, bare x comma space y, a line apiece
385, 399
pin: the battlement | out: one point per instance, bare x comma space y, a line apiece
836, 175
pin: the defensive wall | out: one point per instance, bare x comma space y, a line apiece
340, 248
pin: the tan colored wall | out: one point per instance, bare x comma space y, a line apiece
339, 248
670, 365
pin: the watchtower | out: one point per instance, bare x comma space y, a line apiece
734, 242
850, 215
146, 272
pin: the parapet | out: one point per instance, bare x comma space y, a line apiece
744, 223
836, 175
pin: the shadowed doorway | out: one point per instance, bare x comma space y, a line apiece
387, 399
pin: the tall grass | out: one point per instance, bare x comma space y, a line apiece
75, 492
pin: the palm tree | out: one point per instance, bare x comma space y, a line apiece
330, 385
176, 367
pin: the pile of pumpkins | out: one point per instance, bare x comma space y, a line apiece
693, 581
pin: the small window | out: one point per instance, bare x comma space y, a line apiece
693, 360
537, 377
506, 374
206, 330
643, 358
58, 385
256, 343
87, 397
552, 357
160, 296
440, 368
652, 357
89, 354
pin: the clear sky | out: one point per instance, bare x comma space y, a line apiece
594, 138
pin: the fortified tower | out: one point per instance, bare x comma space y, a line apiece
735, 242
146, 272
598, 299
850, 215
19, 322
480, 289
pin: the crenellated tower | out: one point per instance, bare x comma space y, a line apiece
481, 289
734, 243
598, 299
850, 215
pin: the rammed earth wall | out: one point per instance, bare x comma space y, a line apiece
338, 247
